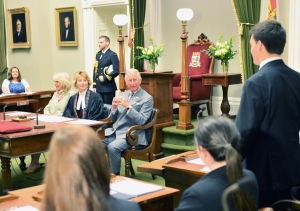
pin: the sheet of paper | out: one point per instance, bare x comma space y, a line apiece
50, 118
134, 188
83, 122
26, 208
205, 169
196, 161
16, 113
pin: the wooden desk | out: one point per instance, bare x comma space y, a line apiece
159, 200
25, 143
224, 80
176, 171
35, 100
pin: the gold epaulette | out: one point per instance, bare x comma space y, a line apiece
96, 65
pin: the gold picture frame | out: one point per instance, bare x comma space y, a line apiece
19, 27
66, 26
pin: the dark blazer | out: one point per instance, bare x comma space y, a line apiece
206, 193
269, 122
70, 37
93, 108
109, 84
142, 105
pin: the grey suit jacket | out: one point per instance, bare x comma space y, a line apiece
142, 105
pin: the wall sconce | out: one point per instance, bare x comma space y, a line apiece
184, 123
120, 20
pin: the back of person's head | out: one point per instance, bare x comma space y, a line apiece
81, 74
132, 70
9, 74
271, 34
105, 37
77, 175
64, 79
220, 137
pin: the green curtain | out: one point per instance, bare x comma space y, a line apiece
137, 18
247, 14
3, 63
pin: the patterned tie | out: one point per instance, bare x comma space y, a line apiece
130, 95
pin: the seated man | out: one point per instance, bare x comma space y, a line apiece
132, 107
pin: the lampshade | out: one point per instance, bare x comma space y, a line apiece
120, 19
185, 14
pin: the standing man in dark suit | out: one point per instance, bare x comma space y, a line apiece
132, 107
68, 32
106, 68
19, 35
269, 116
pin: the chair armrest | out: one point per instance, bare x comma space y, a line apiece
132, 137
177, 79
100, 130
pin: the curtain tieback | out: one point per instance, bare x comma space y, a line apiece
241, 31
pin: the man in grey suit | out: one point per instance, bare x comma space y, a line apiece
132, 107
269, 116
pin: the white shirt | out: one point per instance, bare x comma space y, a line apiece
6, 84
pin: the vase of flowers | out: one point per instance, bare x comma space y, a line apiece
152, 53
222, 51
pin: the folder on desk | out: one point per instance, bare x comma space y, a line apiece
134, 188
12, 127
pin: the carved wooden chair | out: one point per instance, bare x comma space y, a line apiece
285, 205
137, 152
198, 63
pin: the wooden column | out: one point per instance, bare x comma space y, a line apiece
122, 84
184, 105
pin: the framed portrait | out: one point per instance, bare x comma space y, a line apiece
18, 27
66, 26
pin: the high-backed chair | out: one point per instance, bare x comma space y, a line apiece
198, 63
138, 152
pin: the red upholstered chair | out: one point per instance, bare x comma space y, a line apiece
198, 63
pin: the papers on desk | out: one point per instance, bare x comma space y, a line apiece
83, 122
133, 188
49, 118
16, 113
199, 162
26, 208
196, 161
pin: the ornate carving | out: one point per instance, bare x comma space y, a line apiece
202, 39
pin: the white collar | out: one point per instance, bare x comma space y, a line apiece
81, 100
268, 60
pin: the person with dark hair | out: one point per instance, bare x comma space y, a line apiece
216, 139
269, 116
14, 83
19, 34
106, 68
132, 107
77, 176
68, 33
85, 104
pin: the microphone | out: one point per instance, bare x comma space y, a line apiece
200, 113
241, 185
4, 111
37, 126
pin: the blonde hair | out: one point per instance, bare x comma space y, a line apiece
64, 79
77, 175
81, 74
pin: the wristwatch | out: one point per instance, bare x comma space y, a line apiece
129, 107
